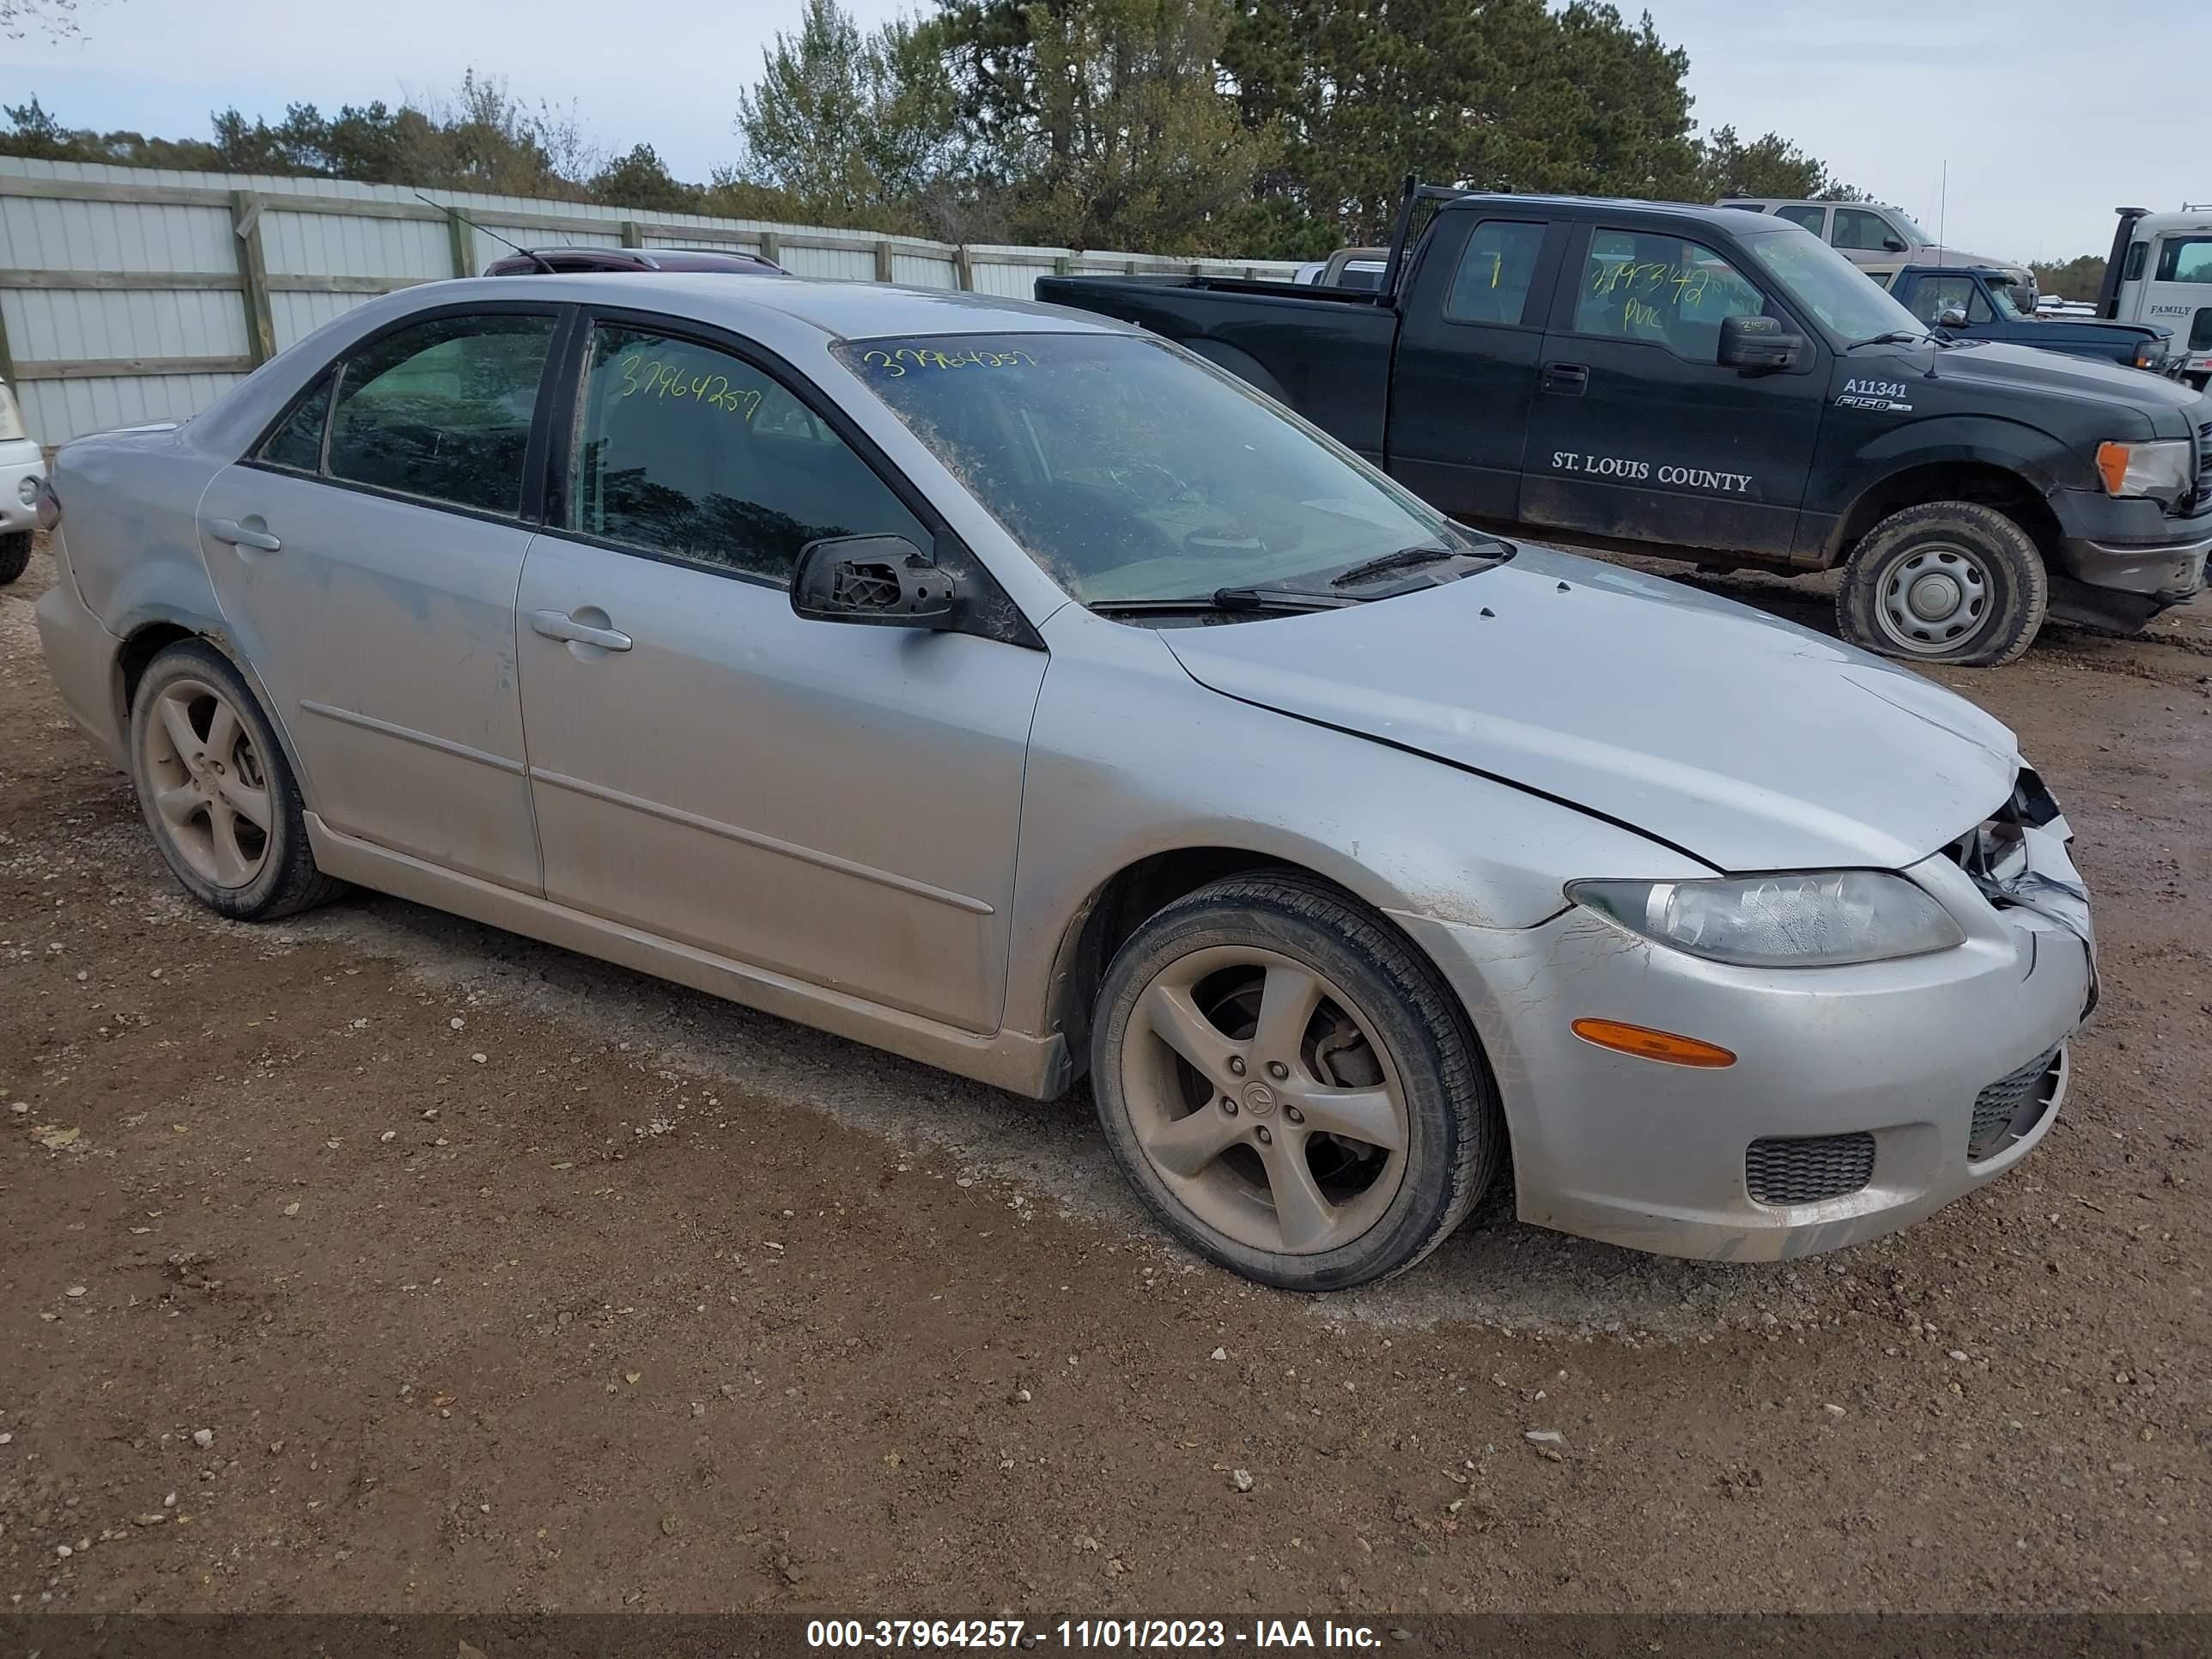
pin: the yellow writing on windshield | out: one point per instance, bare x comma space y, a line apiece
648, 377
895, 361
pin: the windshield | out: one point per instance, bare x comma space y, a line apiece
1899, 216
1821, 280
1129, 470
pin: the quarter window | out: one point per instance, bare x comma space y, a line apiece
443, 409
1492, 284
1663, 291
687, 450
1812, 218
1862, 231
2138, 253
298, 443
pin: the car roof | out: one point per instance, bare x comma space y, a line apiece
1738, 218
835, 310
629, 259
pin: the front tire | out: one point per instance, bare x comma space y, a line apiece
216, 790
1290, 1086
15, 556
1946, 581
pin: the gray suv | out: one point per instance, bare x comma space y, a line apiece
1870, 234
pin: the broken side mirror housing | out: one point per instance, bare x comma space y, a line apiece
1952, 316
1758, 343
884, 580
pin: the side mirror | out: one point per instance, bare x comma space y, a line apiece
1891, 245
884, 580
1758, 343
1952, 316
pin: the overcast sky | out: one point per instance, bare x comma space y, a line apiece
2050, 114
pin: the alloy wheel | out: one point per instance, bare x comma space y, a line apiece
1260, 1093
209, 788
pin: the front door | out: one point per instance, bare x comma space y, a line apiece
1638, 432
832, 802
366, 558
1466, 366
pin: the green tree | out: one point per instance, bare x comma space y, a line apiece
1767, 167
2081, 278
1130, 141
856, 129
640, 179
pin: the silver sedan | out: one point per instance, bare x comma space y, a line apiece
1013, 691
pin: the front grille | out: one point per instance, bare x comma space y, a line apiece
1998, 1106
1810, 1168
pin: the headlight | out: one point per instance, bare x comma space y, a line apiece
11, 418
1817, 919
2160, 471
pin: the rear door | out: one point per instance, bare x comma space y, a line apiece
1465, 372
835, 803
366, 557
1638, 431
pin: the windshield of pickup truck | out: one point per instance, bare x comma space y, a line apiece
1130, 471
1837, 292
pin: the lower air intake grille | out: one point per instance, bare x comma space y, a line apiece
1998, 1106
1807, 1169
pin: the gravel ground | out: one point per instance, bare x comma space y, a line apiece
378, 1260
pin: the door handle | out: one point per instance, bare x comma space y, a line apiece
1569, 379
241, 535
555, 625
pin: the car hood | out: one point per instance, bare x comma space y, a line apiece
2002, 365
1749, 743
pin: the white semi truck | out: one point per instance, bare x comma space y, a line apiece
2160, 273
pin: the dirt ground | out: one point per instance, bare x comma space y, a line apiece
380, 1262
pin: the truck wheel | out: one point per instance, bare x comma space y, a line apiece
1945, 581
15, 556
1289, 1086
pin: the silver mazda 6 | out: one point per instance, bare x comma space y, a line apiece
1013, 691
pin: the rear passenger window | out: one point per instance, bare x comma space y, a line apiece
1811, 218
443, 409
687, 450
1663, 291
1492, 284
299, 442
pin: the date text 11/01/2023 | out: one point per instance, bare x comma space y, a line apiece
1631, 470
1097, 1635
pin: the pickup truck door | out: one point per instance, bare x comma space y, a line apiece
1465, 375
1636, 432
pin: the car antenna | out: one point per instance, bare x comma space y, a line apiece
543, 263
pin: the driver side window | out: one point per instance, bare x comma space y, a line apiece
686, 451
1663, 291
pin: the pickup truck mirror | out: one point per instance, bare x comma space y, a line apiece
884, 580
1891, 245
1952, 316
1758, 343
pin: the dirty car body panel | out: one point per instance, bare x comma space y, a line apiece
573, 717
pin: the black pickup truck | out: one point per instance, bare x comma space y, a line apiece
1974, 302
1722, 387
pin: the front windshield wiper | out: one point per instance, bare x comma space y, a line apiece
1286, 601
1895, 337
1406, 558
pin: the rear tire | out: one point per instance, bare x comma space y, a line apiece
1343, 1120
15, 556
1946, 581
216, 790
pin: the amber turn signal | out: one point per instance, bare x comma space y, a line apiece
1648, 1044
2112, 466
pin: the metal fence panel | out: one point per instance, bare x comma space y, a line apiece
131, 294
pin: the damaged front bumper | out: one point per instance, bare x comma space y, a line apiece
1907, 1083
